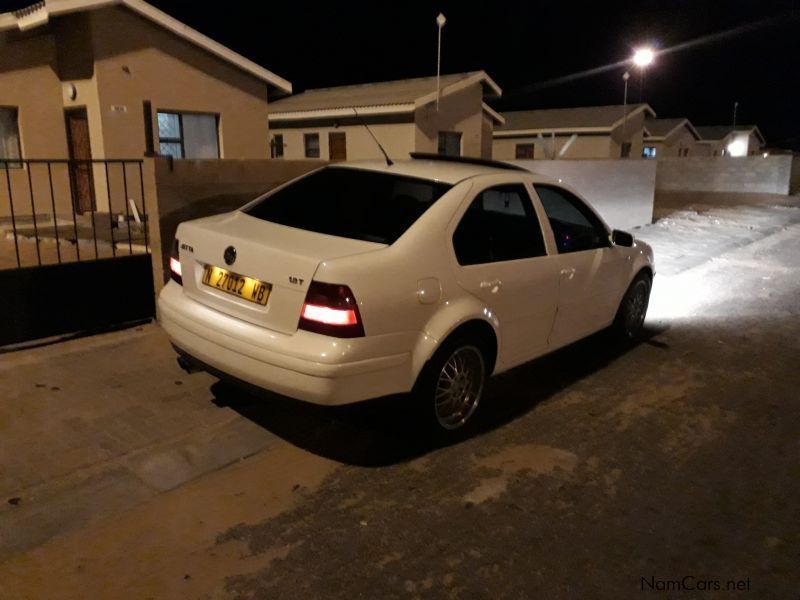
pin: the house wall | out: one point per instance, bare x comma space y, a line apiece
621, 190
584, 147
671, 146
29, 83
745, 174
632, 131
459, 111
396, 138
136, 60
487, 127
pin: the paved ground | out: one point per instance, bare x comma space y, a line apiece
599, 473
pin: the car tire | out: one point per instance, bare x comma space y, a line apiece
451, 385
632, 310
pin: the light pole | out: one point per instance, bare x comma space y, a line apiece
735, 107
440, 21
625, 77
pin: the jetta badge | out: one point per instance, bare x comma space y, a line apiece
229, 255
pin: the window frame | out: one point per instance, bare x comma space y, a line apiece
649, 152
442, 135
582, 207
13, 163
525, 146
182, 139
533, 213
308, 136
276, 146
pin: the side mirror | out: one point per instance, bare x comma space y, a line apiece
621, 238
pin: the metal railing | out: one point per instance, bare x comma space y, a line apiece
83, 209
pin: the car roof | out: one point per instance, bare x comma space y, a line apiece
444, 171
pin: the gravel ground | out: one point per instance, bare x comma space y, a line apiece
670, 469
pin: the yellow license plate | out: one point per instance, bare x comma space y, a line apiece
248, 288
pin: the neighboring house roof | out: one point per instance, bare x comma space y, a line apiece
590, 119
660, 129
385, 97
39, 14
717, 133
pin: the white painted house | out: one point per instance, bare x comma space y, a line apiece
572, 133
407, 115
669, 137
726, 140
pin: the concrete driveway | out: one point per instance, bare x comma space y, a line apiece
671, 469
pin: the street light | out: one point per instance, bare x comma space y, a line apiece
440, 21
643, 58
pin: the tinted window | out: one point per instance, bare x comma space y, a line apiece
574, 225
499, 225
351, 203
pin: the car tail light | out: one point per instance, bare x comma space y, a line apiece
175, 264
331, 309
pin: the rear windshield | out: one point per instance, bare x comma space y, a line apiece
351, 203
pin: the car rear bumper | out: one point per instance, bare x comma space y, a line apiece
303, 365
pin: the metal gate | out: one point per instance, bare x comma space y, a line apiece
74, 247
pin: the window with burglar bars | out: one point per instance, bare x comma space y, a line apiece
188, 135
9, 136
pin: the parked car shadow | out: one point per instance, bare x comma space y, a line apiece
386, 431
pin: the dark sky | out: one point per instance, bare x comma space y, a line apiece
522, 44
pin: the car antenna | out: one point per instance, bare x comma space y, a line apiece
389, 162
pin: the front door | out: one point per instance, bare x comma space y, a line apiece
591, 270
337, 145
80, 152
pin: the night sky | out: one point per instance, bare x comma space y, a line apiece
524, 45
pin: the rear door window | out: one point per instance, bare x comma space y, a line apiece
351, 203
499, 225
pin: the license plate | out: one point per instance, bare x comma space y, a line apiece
248, 288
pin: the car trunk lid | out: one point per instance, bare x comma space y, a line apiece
285, 258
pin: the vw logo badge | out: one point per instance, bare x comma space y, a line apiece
229, 255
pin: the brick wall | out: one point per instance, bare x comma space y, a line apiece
746, 174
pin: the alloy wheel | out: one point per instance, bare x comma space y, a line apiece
459, 387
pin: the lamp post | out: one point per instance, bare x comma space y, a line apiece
625, 77
440, 21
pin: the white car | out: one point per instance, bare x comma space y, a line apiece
365, 279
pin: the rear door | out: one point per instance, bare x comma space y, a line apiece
502, 260
591, 270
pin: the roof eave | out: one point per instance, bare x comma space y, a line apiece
52, 8
559, 130
344, 111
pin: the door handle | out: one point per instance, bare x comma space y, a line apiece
494, 285
568, 272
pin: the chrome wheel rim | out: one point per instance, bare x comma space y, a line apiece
459, 387
636, 309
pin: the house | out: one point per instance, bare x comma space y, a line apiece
583, 132
669, 137
407, 115
727, 140
118, 79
